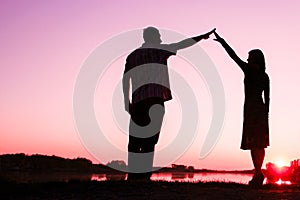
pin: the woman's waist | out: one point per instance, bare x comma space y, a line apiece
254, 101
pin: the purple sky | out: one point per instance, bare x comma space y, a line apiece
44, 43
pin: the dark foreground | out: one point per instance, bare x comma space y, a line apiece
144, 190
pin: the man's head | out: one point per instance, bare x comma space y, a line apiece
152, 35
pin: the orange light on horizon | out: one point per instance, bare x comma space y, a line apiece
281, 182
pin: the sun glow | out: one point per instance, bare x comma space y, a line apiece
281, 163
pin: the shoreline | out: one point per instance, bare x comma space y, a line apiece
172, 176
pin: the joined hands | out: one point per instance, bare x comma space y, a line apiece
218, 37
206, 35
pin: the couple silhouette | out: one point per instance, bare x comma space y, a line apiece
146, 87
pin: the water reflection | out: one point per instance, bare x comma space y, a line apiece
178, 176
190, 175
183, 177
281, 182
240, 178
109, 177
98, 177
116, 177
202, 177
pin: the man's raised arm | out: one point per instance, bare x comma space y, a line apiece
190, 41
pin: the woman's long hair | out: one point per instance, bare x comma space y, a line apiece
259, 58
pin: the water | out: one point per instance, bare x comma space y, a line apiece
241, 178
184, 177
203, 177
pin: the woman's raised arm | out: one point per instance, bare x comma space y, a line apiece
230, 52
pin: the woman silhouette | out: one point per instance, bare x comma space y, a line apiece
256, 110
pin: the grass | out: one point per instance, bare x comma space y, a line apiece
144, 190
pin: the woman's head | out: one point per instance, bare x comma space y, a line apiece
256, 57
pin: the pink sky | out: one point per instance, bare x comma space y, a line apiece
44, 43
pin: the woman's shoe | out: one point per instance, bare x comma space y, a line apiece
257, 180
260, 179
253, 180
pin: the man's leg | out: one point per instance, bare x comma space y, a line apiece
147, 151
154, 121
133, 150
135, 142
144, 122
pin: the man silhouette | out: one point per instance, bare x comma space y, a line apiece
146, 69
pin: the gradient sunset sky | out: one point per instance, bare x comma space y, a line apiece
44, 43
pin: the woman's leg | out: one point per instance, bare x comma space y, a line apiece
258, 156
